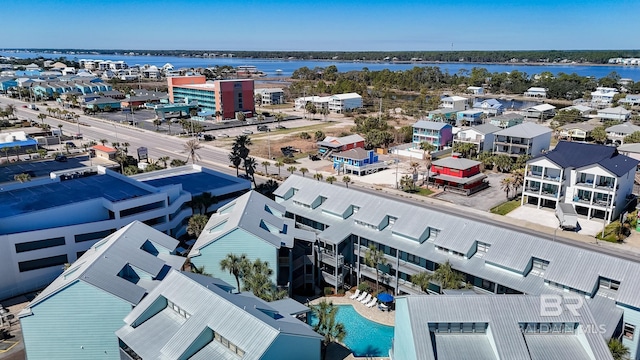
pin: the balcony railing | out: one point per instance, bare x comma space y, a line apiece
329, 257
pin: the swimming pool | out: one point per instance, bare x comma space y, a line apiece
364, 337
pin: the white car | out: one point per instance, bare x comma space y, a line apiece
247, 132
223, 135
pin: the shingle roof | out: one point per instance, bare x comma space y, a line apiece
243, 319
568, 154
101, 264
525, 130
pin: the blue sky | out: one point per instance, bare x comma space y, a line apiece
321, 25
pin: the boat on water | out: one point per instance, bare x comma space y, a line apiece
279, 72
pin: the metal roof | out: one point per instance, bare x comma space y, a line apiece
431, 125
243, 319
527, 130
456, 163
616, 110
251, 212
540, 108
485, 129
504, 315
624, 128
507, 261
582, 126
133, 245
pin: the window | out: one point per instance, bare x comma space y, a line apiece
42, 263
93, 235
355, 209
433, 234
177, 309
39, 244
482, 247
628, 331
609, 284
392, 220
540, 264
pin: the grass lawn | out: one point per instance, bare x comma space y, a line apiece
421, 191
506, 207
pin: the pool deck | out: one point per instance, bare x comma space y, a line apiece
372, 313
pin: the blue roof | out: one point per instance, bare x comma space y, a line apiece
194, 183
23, 143
431, 125
54, 194
576, 155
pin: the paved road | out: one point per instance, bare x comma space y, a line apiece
163, 145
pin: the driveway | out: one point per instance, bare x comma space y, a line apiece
547, 217
482, 200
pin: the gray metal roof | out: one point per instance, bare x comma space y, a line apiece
463, 346
624, 128
582, 126
486, 128
289, 306
504, 314
508, 116
251, 212
506, 262
527, 130
456, 163
245, 320
132, 245
431, 125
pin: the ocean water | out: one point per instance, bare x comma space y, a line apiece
289, 66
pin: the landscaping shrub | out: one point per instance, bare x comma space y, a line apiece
364, 287
328, 291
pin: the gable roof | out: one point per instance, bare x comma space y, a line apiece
491, 103
355, 153
243, 319
526, 130
582, 126
568, 154
540, 108
253, 213
619, 110
133, 245
346, 96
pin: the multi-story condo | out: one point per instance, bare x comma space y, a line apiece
191, 316
253, 225
454, 103
539, 112
481, 136
496, 327
492, 259
524, 139
631, 100
438, 134
507, 120
47, 222
224, 98
88, 302
320, 102
595, 179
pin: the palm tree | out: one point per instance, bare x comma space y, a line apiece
303, 170
205, 200
235, 265
446, 277
327, 326
279, 117
503, 163
291, 169
506, 185
317, 176
177, 162
164, 160
42, 116
197, 224
10, 109
191, 147
199, 270
278, 164
427, 148
618, 350
241, 144
16, 148
266, 164
24, 177
257, 277
103, 141
422, 280
406, 183
5, 150
250, 164
375, 258
331, 179
267, 188
346, 180
236, 160
517, 179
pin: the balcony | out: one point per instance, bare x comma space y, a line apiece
535, 174
331, 279
532, 190
329, 257
549, 192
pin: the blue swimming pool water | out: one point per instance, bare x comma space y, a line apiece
364, 337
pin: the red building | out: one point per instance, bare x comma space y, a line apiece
332, 144
456, 173
234, 96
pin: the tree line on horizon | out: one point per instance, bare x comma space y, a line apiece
479, 56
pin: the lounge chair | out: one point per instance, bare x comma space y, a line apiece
372, 303
367, 299
362, 296
357, 293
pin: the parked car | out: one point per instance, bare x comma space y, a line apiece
61, 158
71, 144
314, 157
208, 137
263, 128
247, 132
280, 127
223, 135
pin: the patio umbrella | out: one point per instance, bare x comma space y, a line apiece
385, 297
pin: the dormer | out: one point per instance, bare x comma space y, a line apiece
538, 266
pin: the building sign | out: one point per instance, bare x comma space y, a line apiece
143, 154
